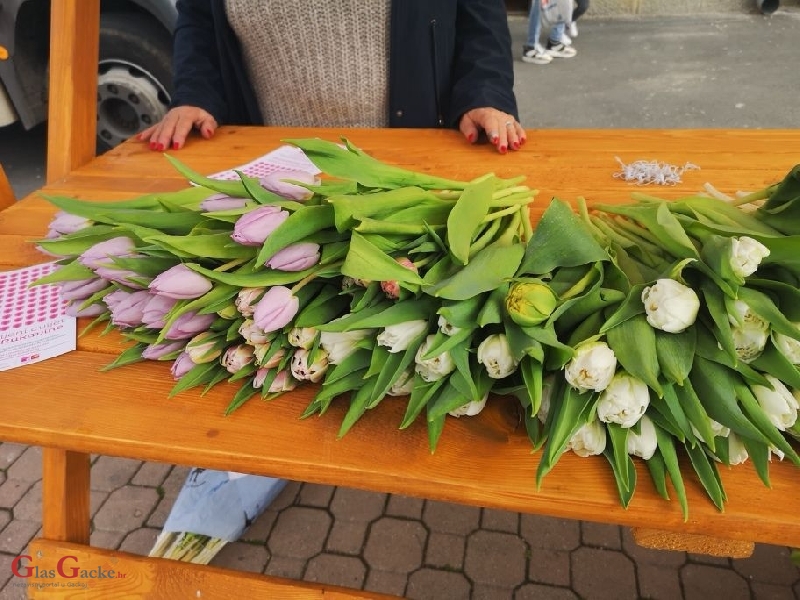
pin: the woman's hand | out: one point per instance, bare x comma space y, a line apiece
502, 129
172, 130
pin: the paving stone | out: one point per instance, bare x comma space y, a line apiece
500, 520
405, 538
284, 566
602, 574
430, 584
175, 480
287, 496
532, 591
126, 509
242, 557
384, 582
9, 452
444, 517
15, 590
312, 494
333, 569
96, 500
151, 474
5, 518
658, 583
404, 506
445, 551
768, 591
299, 532
641, 555
701, 582
3, 477
29, 507
16, 535
549, 567
260, 529
5, 569
495, 559
11, 490
28, 467
357, 505
489, 592
547, 532
140, 541
159, 516
707, 559
347, 537
107, 539
110, 473
601, 535
767, 564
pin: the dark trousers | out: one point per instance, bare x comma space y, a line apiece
580, 8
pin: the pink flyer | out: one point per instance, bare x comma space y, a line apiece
33, 324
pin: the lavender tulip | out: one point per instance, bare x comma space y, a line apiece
283, 382
251, 333
81, 289
278, 183
162, 351
155, 311
101, 253
295, 257
276, 309
203, 348
237, 358
124, 277
93, 310
180, 283
188, 325
246, 300
217, 202
64, 223
252, 228
128, 311
182, 365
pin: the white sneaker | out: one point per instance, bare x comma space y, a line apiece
536, 55
566, 40
560, 50
573, 29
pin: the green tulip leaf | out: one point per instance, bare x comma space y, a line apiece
366, 261
489, 269
634, 343
707, 472
299, 225
466, 217
666, 446
658, 474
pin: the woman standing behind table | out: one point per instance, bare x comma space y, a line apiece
343, 63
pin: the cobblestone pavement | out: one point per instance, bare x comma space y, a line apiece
395, 544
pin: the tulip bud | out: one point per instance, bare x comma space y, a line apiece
218, 202
624, 401
434, 368
261, 353
341, 345
303, 371
589, 440
74, 309
229, 313
115, 274
182, 365
788, 346
188, 325
163, 351
295, 257
737, 453
127, 309
64, 223
530, 303
81, 289
156, 309
670, 305
252, 228
302, 337
547, 392
246, 300
746, 255
283, 382
778, 403
494, 353
278, 183
101, 253
237, 358
180, 283
592, 367
398, 337
203, 348
750, 332
717, 429
470, 409
403, 385
251, 333
276, 309
392, 287
644, 443
446, 327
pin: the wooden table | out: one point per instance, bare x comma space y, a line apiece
70, 408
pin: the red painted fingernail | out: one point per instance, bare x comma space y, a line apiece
160, 147
503, 149
495, 140
515, 145
523, 140
175, 145
153, 146
471, 138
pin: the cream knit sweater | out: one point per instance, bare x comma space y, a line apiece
316, 63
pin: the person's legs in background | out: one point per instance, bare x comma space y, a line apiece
533, 52
581, 6
558, 43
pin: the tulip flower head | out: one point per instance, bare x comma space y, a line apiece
470, 409
102, 253
624, 400
82, 289
592, 367
182, 365
778, 403
276, 309
304, 369
644, 443
340, 345
788, 346
391, 287
280, 184
64, 223
589, 440
188, 325
670, 306
295, 257
180, 283
435, 367
219, 202
302, 337
530, 303
446, 327
252, 228
246, 300
237, 358
398, 337
494, 353
403, 385
746, 255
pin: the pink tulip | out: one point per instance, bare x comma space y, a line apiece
246, 300
217, 202
121, 276
156, 310
237, 358
283, 382
188, 325
93, 310
295, 257
252, 228
126, 312
180, 283
278, 183
82, 288
391, 287
276, 309
182, 365
64, 223
101, 253
161, 351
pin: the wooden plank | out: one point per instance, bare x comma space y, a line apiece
659, 539
72, 102
65, 495
6, 193
132, 577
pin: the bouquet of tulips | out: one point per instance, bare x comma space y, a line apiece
639, 330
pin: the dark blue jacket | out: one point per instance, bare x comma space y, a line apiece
446, 57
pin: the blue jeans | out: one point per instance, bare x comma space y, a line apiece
535, 26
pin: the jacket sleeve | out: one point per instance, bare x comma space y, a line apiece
483, 66
197, 77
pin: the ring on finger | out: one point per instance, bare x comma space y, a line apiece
509, 123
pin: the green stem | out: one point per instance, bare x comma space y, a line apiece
501, 213
755, 196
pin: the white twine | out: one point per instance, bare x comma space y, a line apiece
644, 172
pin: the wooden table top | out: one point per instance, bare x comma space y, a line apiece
68, 403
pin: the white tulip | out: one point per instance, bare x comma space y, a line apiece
252, 333
589, 440
746, 255
623, 401
397, 338
314, 372
547, 392
436, 367
340, 345
446, 327
670, 305
302, 337
718, 429
494, 353
470, 409
737, 453
644, 443
403, 385
778, 403
750, 332
788, 346
592, 367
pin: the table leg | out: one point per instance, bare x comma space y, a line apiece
65, 496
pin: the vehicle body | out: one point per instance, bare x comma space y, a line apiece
134, 71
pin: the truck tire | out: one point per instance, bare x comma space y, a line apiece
134, 78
